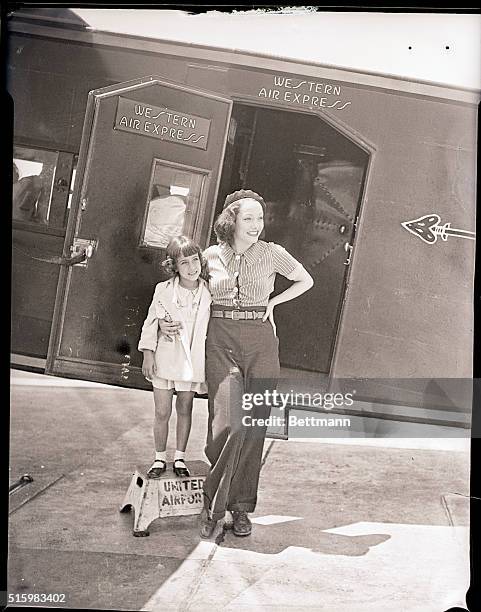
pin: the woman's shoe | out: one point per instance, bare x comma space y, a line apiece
241, 525
206, 525
180, 469
158, 468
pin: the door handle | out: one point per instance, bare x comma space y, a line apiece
348, 249
82, 250
79, 257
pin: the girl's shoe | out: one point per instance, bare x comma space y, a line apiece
158, 468
180, 469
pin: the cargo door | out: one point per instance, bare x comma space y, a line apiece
148, 169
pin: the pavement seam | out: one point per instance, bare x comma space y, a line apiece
17, 547
266, 454
186, 605
446, 507
206, 563
39, 492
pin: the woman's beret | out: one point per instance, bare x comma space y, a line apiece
241, 194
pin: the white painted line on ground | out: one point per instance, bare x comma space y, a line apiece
273, 519
366, 528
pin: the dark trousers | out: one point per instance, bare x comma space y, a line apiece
241, 357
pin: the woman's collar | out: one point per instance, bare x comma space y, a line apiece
251, 255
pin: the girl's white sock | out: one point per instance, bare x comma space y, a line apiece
179, 455
161, 456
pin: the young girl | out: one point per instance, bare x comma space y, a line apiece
178, 362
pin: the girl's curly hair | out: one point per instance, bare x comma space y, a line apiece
224, 225
183, 246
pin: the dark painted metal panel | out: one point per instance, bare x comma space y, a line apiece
66, 72
34, 284
409, 311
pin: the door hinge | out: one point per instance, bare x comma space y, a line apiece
348, 249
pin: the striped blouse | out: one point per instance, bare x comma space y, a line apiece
247, 279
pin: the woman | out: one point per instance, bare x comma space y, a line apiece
241, 353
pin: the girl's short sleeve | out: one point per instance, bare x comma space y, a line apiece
284, 263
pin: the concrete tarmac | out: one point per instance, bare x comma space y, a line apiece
354, 525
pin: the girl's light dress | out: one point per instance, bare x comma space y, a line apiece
188, 302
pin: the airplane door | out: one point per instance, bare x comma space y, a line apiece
148, 169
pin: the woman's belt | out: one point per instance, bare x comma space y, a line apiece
238, 315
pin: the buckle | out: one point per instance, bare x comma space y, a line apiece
236, 315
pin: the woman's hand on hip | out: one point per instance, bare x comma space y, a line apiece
170, 329
269, 314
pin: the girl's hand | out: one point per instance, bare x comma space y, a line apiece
269, 314
170, 329
148, 364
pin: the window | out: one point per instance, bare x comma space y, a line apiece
33, 178
174, 203
42, 188
72, 182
